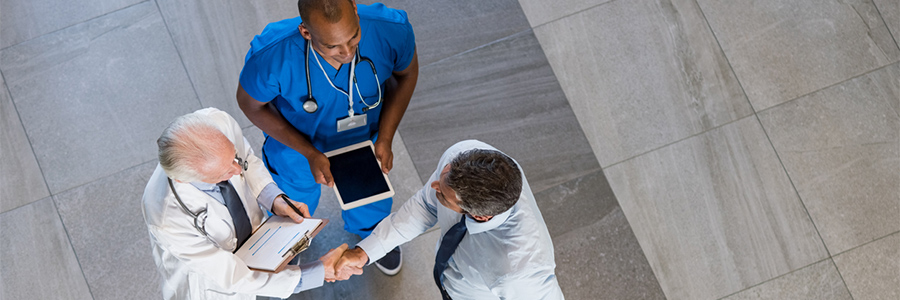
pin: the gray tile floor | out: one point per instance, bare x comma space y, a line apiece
679, 149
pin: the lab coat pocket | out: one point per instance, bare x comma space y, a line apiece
195, 288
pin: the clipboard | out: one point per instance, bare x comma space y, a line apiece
276, 241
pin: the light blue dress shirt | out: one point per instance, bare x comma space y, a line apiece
313, 273
507, 257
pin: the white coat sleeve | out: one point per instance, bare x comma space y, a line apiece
417, 215
220, 266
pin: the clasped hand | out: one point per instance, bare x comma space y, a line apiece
341, 263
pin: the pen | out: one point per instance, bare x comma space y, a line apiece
283, 197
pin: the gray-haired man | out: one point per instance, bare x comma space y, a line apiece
203, 201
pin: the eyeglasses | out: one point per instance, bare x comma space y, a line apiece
241, 162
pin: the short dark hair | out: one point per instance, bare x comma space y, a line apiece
486, 182
330, 9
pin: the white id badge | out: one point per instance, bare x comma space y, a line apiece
351, 122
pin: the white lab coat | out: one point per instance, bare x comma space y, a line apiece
194, 266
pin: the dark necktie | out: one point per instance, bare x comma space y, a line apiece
242, 227
448, 246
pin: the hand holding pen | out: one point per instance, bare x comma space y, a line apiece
290, 208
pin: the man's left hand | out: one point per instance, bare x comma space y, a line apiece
384, 154
280, 208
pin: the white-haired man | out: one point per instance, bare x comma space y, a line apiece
203, 201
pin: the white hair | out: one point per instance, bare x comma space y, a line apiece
185, 147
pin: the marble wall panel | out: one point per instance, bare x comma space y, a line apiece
817, 281
841, 148
604, 261
641, 74
36, 259
94, 97
541, 12
715, 213
213, 37
505, 95
21, 181
872, 271
446, 28
781, 50
22, 20
109, 235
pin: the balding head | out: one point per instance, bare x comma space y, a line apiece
192, 149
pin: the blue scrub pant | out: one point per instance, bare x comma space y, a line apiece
297, 182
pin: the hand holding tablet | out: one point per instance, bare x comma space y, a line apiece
358, 178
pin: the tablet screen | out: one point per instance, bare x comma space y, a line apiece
357, 175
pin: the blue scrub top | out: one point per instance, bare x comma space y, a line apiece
274, 69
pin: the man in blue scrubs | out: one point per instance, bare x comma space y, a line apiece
273, 94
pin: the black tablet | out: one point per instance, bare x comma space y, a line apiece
358, 179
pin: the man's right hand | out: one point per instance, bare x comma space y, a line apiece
352, 259
321, 169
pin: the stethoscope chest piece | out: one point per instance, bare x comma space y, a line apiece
310, 105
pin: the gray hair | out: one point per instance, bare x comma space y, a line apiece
487, 182
185, 147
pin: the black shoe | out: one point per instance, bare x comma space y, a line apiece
391, 262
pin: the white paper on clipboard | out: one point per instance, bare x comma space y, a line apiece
269, 245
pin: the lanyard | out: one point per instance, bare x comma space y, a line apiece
349, 80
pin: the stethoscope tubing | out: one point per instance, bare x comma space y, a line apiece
311, 105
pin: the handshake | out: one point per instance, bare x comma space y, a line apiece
341, 263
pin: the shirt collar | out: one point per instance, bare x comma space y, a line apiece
206, 187
477, 227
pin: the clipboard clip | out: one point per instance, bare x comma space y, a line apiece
300, 246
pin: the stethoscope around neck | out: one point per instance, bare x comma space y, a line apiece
201, 215
311, 105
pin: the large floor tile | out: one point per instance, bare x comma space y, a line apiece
890, 13
818, 281
504, 94
715, 213
841, 148
107, 229
873, 270
94, 97
604, 261
641, 74
541, 12
781, 50
22, 20
213, 37
445, 28
36, 259
577, 203
21, 181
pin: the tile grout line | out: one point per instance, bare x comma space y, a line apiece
809, 265
881, 16
27, 138
75, 24
772, 146
72, 246
741, 118
572, 14
854, 77
778, 277
508, 37
180, 57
